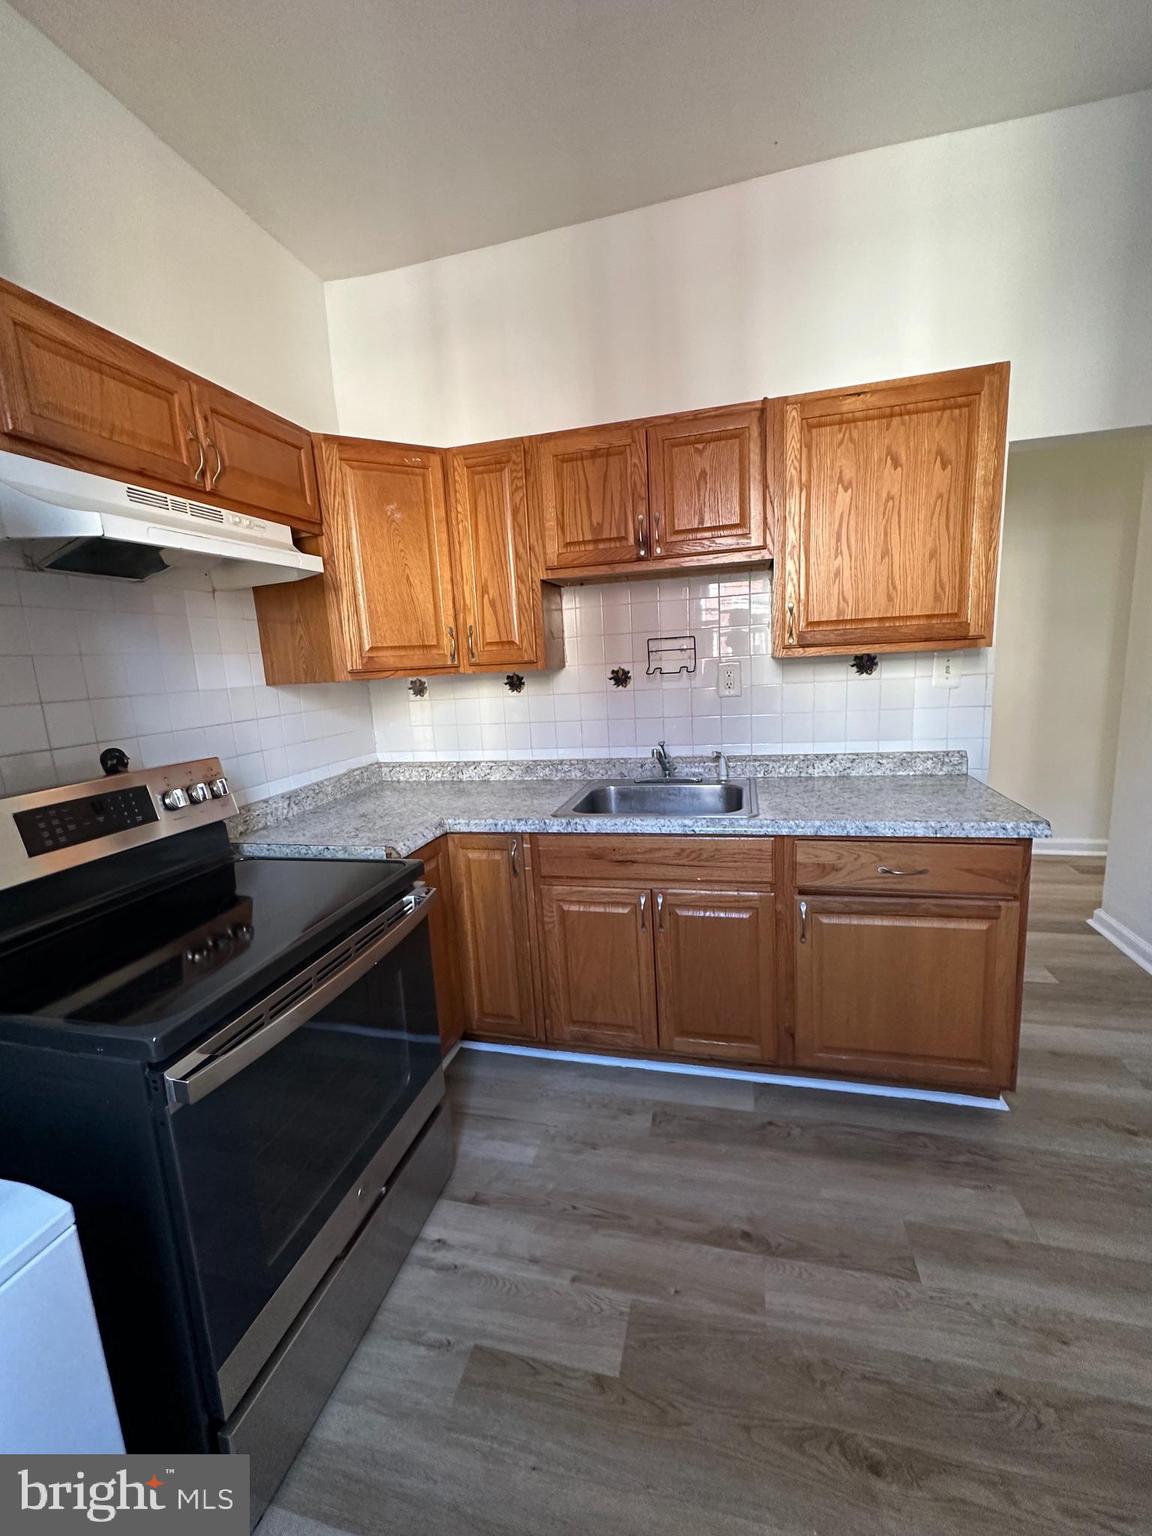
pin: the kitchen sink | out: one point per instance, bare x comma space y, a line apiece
662, 797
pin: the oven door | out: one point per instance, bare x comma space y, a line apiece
287, 1124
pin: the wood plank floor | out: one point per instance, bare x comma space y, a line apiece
651, 1305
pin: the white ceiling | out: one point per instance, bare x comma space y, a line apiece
367, 134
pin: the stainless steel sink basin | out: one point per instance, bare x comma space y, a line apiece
662, 797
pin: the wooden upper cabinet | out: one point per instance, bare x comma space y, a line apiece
82, 393
706, 491
919, 990
593, 487
489, 881
599, 982
499, 604
256, 458
717, 977
386, 528
79, 395
891, 527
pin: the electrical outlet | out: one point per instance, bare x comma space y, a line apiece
729, 683
945, 670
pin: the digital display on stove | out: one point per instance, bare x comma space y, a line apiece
48, 828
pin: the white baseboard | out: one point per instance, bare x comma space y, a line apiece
1071, 847
690, 1069
1126, 939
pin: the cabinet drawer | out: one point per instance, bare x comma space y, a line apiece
657, 860
906, 866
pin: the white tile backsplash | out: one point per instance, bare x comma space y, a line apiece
174, 670
785, 706
167, 671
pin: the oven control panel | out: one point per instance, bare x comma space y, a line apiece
51, 830
65, 823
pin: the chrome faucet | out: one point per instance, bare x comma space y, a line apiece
660, 753
721, 761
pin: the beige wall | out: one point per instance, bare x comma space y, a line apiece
100, 216
1029, 240
1071, 516
1126, 914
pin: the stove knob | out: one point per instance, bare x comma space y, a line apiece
243, 932
174, 799
219, 788
198, 955
198, 793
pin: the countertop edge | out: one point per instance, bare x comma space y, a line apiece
760, 826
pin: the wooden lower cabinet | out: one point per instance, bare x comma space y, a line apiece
716, 973
442, 937
490, 887
599, 978
912, 989
561, 939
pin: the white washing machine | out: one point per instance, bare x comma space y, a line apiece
54, 1388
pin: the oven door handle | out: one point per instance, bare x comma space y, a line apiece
245, 1040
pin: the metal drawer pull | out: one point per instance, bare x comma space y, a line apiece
660, 910
790, 638
452, 644
642, 536
659, 533
643, 906
882, 869
512, 852
803, 922
212, 479
471, 642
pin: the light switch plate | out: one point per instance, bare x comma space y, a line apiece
946, 670
729, 682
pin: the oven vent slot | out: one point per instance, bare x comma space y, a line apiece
289, 1000
389, 919
335, 963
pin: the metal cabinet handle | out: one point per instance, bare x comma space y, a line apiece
213, 478
660, 910
512, 852
471, 643
790, 638
641, 535
882, 869
656, 543
253, 1034
803, 922
192, 438
452, 645
643, 908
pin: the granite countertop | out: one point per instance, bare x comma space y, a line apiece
391, 818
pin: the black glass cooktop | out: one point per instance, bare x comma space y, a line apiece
144, 977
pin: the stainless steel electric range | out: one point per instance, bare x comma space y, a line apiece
231, 1068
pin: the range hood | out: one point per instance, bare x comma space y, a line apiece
88, 525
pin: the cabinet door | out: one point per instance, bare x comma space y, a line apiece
714, 962
257, 459
70, 387
593, 487
599, 980
706, 483
915, 990
387, 523
500, 590
490, 886
892, 515
442, 937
